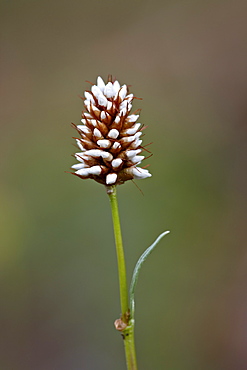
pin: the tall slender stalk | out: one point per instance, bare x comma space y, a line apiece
126, 323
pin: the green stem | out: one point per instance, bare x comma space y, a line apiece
128, 324
129, 345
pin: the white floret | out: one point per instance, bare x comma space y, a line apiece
137, 159
129, 97
83, 172
97, 133
103, 115
95, 170
109, 105
128, 139
93, 153
111, 178
123, 92
116, 145
123, 104
113, 133
80, 156
109, 90
116, 162
78, 166
102, 100
132, 130
104, 143
93, 122
133, 153
87, 104
95, 109
89, 97
116, 85
123, 112
100, 84
96, 91
117, 119
138, 134
133, 117
136, 143
83, 128
80, 145
140, 173
107, 156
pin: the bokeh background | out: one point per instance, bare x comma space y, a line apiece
59, 290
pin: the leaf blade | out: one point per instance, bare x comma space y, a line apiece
137, 269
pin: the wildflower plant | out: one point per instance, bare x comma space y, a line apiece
111, 153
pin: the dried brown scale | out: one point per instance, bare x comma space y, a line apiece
112, 135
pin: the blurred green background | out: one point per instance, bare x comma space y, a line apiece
59, 288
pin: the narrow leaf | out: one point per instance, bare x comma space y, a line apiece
137, 269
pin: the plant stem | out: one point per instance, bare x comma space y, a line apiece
128, 323
129, 345
120, 254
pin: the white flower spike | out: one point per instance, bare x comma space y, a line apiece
109, 136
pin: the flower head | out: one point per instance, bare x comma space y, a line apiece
109, 142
